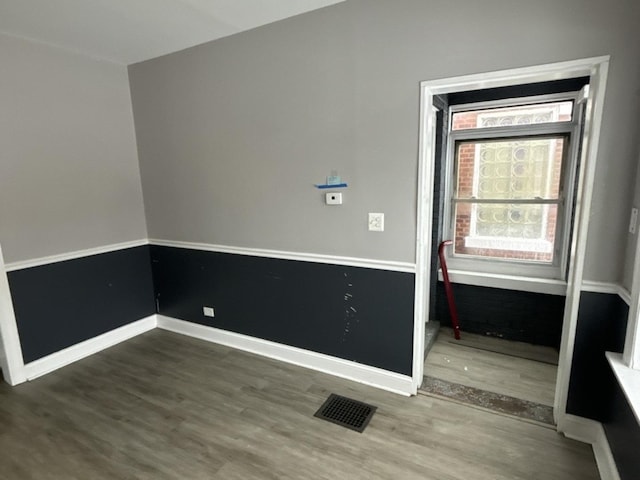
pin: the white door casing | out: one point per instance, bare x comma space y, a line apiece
596, 68
11, 361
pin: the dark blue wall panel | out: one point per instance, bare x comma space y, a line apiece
358, 314
594, 391
64, 303
511, 314
623, 434
601, 327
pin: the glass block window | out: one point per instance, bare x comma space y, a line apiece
554, 112
507, 197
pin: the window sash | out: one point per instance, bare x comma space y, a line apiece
513, 109
569, 131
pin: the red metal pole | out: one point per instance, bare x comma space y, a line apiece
448, 290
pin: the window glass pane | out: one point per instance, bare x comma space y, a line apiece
506, 231
523, 168
518, 115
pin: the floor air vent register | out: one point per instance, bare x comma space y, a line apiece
346, 412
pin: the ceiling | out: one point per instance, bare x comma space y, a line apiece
129, 31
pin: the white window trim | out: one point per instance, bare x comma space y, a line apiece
491, 265
595, 67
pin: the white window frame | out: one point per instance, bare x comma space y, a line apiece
571, 129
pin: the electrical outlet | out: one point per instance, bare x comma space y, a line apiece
208, 312
376, 222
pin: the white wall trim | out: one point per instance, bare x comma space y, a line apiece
298, 256
84, 349
11, 355
606, 287
424, 228
598, 69
589, 431
390, 265
375, 377
624, 295
578, 428
36, 262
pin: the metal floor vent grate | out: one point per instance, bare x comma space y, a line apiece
346, 412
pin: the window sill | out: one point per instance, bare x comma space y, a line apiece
507, 282
629, 380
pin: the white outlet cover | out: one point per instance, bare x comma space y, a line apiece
208, 311
376, 222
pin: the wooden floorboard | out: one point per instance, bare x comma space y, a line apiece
502, 371
512, 348
164, 406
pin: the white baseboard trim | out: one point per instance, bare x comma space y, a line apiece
297, 256
577, 428
84, 349
589, 431
375, 377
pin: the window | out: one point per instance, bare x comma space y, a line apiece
511, 173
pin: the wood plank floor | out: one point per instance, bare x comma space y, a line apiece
488, 363
164, 406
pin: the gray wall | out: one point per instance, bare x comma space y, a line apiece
69, 176
232, 134
627, 278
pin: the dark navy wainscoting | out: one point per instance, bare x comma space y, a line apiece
594, 391
601, 327
64, 303
511, 314
623, 434
359, 314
